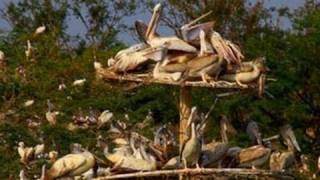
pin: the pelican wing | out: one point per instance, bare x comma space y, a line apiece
172, 43
252, 153
131, 49
199, 63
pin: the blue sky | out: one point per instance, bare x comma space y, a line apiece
75, 26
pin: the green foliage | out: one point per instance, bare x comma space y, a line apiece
292, 55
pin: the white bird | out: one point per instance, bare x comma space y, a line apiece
38, 150
2, 56
28, 103
26, 153
79, 82
29, 49
105, 117
62, 86
97, 65
53, 156
71, 165
165, 76
319, 163
22, 175
52, 117
131, 60
40, 30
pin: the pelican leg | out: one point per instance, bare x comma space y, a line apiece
184, 161
205, 77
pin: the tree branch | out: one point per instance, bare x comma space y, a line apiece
207, 172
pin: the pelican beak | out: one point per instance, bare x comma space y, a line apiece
154, 21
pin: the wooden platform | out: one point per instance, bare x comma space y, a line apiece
207, 172
148, 79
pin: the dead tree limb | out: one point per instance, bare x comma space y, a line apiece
203, 172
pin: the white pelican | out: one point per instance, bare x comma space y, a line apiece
22, 175
2, 56
29, 50
130, 61
71, 165
172, 43
281, 161
254, 133
40, 30
79, 82
53, 156
28, 103
242, 78
26, 153
105, 117
289, 138
38, 150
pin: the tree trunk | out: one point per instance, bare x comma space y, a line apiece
185, 109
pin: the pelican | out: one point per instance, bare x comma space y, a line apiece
2, 57
242, 78
204, 66
253, 156
173, 163
226, 126
191, 149
53, 156
22, 175
26, 153
29, 103
29, 50
254, 133
281, 161
166, 76
226, 49
40, 30
172, 43
79, 82
51, 116
128, 162
71, 165
132, 60
215, 151
289, 138
38, 150
212, 153
190, 32
105, 117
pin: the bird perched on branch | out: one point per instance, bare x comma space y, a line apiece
254, 133
289, 138
242, 78
191, 149
40, 30
26, 153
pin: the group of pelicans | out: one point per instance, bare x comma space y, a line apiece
198, 53
129, 151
